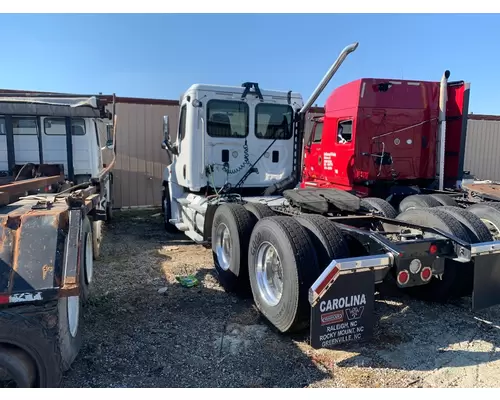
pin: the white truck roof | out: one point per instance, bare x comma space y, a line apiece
240, 89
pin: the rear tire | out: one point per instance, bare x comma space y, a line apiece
29, 333
380, 206
327, 238
298, 266
456, 275
18, 365
476, 229
259, 210
489, 213
444, 199
231, 230
418, 201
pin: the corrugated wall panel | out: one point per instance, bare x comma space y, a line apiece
482, 150
140, 159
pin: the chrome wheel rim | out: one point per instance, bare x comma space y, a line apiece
89, 262
269, 274
73, 314
223, 246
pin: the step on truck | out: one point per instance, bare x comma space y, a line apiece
312, 255
55, 193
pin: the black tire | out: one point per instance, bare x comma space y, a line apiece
299, 270
326, 237
476, 229
478, 232
259, 210
456, 275
444, 199
167, 210
29, 333
489, 213
418, 201
85, 270
18, 366
380, 206
239, 224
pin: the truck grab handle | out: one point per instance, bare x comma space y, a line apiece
333, 69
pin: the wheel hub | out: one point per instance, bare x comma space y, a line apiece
223, 246
89, 262
73, 314
269, 274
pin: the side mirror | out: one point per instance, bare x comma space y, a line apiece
166, 135
109, 136
167, 144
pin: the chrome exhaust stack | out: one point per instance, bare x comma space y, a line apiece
333, 69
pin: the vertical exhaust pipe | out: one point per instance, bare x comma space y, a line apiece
333, 69
443, 97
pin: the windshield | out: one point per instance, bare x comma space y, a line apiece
273, 121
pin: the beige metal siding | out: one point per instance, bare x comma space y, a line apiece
482, 150
140, 159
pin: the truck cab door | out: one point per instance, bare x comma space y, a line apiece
313, 155
340, 161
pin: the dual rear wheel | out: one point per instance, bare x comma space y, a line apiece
276, 258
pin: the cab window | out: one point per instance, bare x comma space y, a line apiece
344, 132
273, 121
227, 119
318, 132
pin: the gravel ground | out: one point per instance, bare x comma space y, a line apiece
135, 336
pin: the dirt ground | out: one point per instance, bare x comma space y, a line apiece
143, 329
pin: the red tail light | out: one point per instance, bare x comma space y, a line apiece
4, 299
433, 249
403, 277
426, 274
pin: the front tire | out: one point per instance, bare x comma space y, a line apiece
167, 210
231, 229
282, 267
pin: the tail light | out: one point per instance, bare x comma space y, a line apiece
426, 274
403, 277
433, 249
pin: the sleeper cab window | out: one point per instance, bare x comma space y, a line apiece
182, 123
273, 121
227, 119
344, 133
57, 126
318, 132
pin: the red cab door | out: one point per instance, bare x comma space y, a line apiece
313, 155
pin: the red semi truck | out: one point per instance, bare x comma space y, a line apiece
378, 136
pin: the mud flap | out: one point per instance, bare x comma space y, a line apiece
344, 313
486, 292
